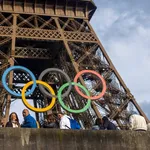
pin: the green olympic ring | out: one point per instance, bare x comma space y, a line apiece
67, 108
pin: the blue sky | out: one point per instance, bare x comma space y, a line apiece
123, 27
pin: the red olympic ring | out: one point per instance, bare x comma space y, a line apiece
98, 75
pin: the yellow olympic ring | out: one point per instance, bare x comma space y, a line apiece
38, 109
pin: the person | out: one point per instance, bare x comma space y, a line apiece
29, 121
13, 121
98, 125
51, 122
2, 123
148, 126
137, 122
64, 122
108, 125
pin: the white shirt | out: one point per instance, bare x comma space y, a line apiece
14, 125
137, 122
64, 122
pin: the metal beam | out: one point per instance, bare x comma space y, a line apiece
109, 60
11, 61
74, 63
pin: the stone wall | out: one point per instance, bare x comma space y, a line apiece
50, 139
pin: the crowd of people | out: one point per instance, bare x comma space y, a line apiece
62, 121
136, 122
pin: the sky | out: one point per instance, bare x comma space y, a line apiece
123, 27
18, 106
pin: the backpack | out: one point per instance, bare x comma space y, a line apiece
74, 124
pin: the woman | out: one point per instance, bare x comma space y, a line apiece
13, 121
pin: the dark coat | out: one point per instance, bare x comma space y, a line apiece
9, 124
109, 125
51, 125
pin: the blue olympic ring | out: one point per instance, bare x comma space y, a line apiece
23, 69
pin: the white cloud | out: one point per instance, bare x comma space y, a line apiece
101, 23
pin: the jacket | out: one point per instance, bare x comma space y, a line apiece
10, 124
109, 126
29, 122
50, 125
64, 122
137, 122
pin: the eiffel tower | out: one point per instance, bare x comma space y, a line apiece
41, 34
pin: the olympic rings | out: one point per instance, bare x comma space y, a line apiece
33, 108
65, 107
20, 68
42, 89
52, 93
95, 73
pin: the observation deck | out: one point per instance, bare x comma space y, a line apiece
65, 8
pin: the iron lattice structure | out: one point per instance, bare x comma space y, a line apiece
40, 34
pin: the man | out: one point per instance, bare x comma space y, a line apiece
64, 121
29, 121
137, 122
108, 124
50, 122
